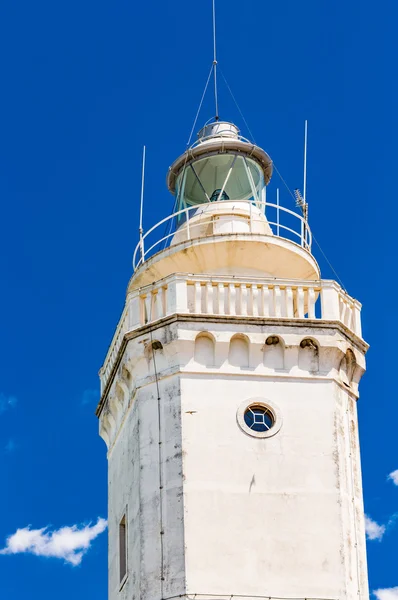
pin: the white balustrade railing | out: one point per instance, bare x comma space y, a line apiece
110, 359
233, 296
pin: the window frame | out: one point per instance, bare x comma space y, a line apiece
264, 403
123, 549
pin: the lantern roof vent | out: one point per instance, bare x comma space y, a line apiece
218, 129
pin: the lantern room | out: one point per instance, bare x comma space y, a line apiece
220, 166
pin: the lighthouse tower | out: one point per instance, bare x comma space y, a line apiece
229, 399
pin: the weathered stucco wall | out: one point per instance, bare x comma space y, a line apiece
152, 500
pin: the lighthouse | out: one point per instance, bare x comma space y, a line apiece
229, 399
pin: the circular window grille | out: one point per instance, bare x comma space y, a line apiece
259, 418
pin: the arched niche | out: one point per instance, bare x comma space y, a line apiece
309, 355
205, 349
239, 351
156, 356
156, 345
274, 353
347, 367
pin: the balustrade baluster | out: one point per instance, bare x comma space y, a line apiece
283, 302
277, 301
311, 303
300, 302
162, 302
255, 310
243, 298
198, 297
155, 301
148, 307
232, 299
221, 299
266, 301
209, 298
289, 302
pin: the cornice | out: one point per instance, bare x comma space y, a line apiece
277, 323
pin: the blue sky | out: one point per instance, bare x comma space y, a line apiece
84, 86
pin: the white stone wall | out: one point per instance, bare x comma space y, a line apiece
267, 517
212, 509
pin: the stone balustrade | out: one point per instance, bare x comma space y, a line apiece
243, 297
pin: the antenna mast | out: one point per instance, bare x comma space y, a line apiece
305, 162
215, 59
142, 203
301, 200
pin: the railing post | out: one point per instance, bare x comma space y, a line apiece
344, 311
330, 301
134, 311
188, 227
161, 302
277, 213
357, 318
178, 296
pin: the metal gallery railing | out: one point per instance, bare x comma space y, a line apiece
285, 223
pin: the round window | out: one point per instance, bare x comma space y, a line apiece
259, 417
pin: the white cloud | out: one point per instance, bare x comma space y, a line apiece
387, 594
374, 531
68, 543
394, 477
